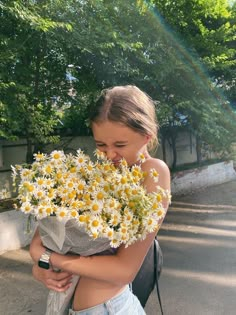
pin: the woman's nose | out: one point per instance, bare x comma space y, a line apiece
111, 154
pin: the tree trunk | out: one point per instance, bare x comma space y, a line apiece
163, 146
199, 149
29, 153
173, 140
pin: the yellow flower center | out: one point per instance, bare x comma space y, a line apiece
40, 210
56, 156
109, 234
48, 210
90, 167
100, 196
131, 204
73, 169
62, 214
80, 160
150, 221
129, 217
48, 169
81, 186
27, 208
95, 235
154, 206
59, 176
73, 213
40, 181
107, 167
106, 188
71, 195
82, 218
95, 207
123, 180
30, 188
135, 173
95, 223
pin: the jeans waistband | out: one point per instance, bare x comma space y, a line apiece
114, 299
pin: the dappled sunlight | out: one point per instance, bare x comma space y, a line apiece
227, 281
197, 241
198, 230
9, 236
18, 274
223, 223
181, 204
207, 222
219, 210
22, 256
16, 230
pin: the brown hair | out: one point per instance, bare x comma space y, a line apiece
129, 106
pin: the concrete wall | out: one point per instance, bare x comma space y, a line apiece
188, 181
14, 232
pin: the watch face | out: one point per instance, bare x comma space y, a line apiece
43, 264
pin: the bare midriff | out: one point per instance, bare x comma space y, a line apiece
90, 292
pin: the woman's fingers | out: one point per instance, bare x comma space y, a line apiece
54, 280
60, 275
59, 285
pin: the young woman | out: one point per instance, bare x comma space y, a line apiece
124, 125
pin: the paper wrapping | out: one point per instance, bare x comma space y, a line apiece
68, 237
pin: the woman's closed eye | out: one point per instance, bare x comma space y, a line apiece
118, 145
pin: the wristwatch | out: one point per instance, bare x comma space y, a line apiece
44, 261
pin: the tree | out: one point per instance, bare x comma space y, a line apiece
207, 29
28, 79
61, 67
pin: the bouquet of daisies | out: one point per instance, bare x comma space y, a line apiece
86, 207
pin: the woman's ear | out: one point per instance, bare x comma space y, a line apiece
148, 138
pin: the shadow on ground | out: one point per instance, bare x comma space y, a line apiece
198, 239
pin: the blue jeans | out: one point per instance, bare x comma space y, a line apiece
125, 303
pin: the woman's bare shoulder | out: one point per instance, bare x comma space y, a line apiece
162, 169
155, 163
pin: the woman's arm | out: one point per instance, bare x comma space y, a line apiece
120, 268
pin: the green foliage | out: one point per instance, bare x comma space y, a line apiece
30, 72
52, 69
207, 28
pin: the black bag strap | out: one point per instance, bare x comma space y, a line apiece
156, 258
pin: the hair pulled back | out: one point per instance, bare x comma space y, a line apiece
129, 106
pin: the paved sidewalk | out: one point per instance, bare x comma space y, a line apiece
198, 240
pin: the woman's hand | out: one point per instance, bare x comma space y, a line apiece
54, 280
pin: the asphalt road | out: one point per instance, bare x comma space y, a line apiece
198, 239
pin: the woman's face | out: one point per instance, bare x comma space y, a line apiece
118, 141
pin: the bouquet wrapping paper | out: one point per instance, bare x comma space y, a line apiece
65, 236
